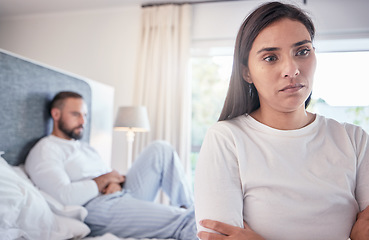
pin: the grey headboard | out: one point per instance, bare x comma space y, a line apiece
26, 89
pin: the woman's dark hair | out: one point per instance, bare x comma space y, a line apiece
242, 97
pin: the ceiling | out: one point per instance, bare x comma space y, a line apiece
24, 7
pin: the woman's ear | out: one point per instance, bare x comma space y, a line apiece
55, 114
246, 74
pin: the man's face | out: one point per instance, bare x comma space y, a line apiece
72, 118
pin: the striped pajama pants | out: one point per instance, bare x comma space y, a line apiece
132, 212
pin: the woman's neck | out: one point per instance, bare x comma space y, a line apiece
284, 120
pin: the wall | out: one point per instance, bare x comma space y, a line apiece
217, 23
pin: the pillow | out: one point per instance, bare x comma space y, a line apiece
12, 233
76, 227
25, 213
72, 211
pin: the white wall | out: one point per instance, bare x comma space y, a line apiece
216, 24
103, 44
100, 45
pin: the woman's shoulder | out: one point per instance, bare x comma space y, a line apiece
229, 124
323, 120
228, 129
334, 126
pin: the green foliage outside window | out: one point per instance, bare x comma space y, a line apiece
208, 93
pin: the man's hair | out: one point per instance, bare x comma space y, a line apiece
58, 100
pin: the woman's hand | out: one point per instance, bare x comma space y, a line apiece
229, 232
360, 230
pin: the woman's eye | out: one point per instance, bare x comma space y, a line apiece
270, 58
303, 52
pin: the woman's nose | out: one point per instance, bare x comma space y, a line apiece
290, 69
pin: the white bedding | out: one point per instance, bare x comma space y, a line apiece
25, 214
29, 213
110, 236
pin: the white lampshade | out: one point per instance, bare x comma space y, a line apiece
132, 118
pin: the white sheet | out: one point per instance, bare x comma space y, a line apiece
25, 213
72, 212
109, 236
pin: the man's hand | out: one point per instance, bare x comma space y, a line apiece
112, 188
360, 230
229, 232
111, 177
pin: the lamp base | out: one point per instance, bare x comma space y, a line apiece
130, 138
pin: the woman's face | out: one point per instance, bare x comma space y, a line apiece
281, 65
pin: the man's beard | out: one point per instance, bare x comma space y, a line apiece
70, 132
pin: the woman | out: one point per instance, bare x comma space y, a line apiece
286, 172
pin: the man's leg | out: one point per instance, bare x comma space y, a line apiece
158, 166
125, 216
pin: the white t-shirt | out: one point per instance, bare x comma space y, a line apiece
299, 184
65, 169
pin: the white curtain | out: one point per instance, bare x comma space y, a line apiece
162, 83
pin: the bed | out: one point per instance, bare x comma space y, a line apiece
25, 211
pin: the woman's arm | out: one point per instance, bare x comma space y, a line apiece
360, 230
218, 190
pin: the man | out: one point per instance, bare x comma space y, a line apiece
73, 173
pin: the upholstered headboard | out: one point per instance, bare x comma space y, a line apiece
26, 89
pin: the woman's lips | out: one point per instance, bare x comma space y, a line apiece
292, 88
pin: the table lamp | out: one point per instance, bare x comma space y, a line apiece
131, 119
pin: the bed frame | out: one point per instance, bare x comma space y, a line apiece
26, 89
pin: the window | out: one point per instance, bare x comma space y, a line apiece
341, 87
210, 79
340, 91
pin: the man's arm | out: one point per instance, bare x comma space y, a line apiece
45, 166
227, 232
